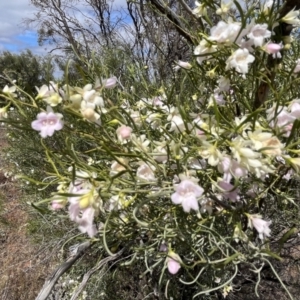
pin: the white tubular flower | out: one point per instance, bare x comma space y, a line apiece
291, 18
224, 33
200, 9
44, 91
186, 194
154, 119
136, 117
239, 60
224, 8
244, 154
113, 203
146, 172
297, 67
117, 167
294, 162
258, 33
266, 140
177, 124
261, 226
10, 90
75, 101
141, 143
268, 6
203, 50
160, 153
211, 153
3, 113
54, 99
89, 113
182, 65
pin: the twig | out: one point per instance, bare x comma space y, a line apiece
49, 284
86, 277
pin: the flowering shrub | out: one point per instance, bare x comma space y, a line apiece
184, 176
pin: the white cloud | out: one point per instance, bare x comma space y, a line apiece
14, 36
12, 13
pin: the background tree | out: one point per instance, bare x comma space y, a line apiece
27, 69
157, 33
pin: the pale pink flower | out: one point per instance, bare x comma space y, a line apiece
219, 98
279, 118
124, 133
258, 33
110, 82
224, 164
274, 49
84, 218
173, 262
186, 194
239, 60
289, 174
82, 203
57, 205
261, 226
284, 119
230, 167
229, 191
294, 107
237, 170
47, 123
224, 84
157, 101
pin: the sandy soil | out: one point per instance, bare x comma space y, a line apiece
23, 264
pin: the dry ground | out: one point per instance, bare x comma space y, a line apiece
23, 264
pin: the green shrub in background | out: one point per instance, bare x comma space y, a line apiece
186, 183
